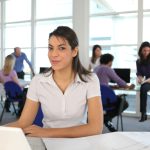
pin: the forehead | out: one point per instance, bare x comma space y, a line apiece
57, 40
98, 49
146, 49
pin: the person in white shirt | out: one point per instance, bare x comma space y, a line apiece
95, 59
66, 92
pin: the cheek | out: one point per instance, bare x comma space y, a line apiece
68, 58
49, 55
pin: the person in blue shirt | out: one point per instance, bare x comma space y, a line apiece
19, 66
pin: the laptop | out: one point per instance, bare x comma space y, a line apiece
123, 73
43, 69
13, 139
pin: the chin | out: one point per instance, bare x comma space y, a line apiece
56, 68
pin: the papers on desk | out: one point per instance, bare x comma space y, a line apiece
67, 144
108, 141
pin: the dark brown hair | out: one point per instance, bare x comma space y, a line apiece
93, 58
142, 60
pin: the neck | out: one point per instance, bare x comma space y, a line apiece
63, 79
67, 75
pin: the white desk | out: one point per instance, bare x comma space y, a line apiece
108, 141
36, 143
24, 83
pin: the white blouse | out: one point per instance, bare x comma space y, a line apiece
94, 65
63, 109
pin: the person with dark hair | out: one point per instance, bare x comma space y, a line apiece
95, 59
20, 57
143, 76
65, 92
105, 74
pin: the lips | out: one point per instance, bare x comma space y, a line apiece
54, 62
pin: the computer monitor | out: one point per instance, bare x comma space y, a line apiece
43, 69
123, 73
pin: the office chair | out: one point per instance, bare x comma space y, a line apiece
109, 100
14, 93
39, 117
2, 94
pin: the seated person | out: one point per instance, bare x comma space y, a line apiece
7, 73
105, 74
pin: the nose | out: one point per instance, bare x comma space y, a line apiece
54, 52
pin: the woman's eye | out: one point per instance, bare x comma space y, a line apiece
50, 48
61, 48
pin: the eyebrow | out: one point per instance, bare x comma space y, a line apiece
58, 45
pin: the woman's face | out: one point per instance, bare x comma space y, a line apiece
146, 51
97, 52
60, 53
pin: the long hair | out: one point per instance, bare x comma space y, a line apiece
142, 60
93, 58
8, 64
68, 34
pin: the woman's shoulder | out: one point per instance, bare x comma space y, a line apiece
41, 77
90, 77
38, 77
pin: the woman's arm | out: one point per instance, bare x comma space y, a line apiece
113, 76
28, 115
93, 127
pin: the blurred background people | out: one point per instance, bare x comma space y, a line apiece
96, 54
105, 74
19, 66
143, 76
9, 74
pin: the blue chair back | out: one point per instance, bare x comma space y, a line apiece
39, 117
13, 91
109, 98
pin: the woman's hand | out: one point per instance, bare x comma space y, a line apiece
132, 86
35, 131
146, 81
140, 79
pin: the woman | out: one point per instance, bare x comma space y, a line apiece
8, 74
64, 93
143, 76
95, 59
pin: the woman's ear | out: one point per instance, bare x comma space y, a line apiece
75, 52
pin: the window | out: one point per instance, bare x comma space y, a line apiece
18, 35
41, 54
146, 4
115, 29
17, 10
53, 8
43, 28
146, 22
112, 6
